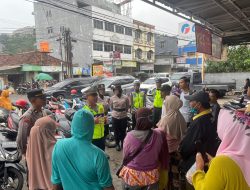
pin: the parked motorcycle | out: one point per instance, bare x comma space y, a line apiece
11, 171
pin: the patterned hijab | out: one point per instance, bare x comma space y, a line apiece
234, 132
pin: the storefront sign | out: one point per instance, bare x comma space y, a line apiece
203, 40
216, 46
44, 46
181, 60
147, 67
51, 69
31, 68
128, 64
108, 69
97, 70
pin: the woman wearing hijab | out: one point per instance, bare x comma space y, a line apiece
5, 101
76, 163
143, 171
39, 153
173, 123
230, 169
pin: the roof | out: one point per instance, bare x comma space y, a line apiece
33, 58
228, 18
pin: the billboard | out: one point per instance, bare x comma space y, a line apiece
44, 47
216, 46
186, 30
203, 40
97, 70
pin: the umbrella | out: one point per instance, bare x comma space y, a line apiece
43, 76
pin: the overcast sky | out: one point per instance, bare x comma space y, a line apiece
18, 13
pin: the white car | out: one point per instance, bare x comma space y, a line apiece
149, 85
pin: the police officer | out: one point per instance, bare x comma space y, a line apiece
158, 101
27, 121
104, 100
119, 104
137, 100
99, 117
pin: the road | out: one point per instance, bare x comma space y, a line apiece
115, 157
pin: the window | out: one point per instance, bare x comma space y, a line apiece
128, 31
98, 24
50, 30
97, 45
127, 49
48, 13
119, 48
138, 53
119, 29
162, 44
81, 4
137, 34
149, 54
109, 26
108, 47
149, 37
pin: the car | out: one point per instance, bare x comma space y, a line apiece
125, 81
149, 85
62, 89
161, 75
142, 76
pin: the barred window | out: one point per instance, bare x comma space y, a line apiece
97, 45
119, 48
98, 24
128, 31
109, 26
138, 34
108, 47
127, 49
138, 53
150, 54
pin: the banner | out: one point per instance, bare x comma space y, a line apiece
147, 67
216, 46
44, 47
186, 30
97, 70
107, 69
203, 40
51, 69
128, 64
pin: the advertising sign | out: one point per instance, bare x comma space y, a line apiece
107, 69
51, 69
186, 30
181, 60
44, 46
216, 46
203, 40
97, 70
128, 63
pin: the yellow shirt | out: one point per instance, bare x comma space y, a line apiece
223, 174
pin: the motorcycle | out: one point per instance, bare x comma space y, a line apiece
11, 171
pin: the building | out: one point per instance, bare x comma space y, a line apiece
23, 67
188, 58
166, 51
99, 31
144, 46
28, 30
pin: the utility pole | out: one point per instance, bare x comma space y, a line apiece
68, 51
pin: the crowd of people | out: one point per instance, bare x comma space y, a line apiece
180, 131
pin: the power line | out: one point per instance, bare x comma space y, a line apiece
91, 17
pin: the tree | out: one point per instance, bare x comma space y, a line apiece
238, 61
17, 43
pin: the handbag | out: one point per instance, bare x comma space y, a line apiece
129, 158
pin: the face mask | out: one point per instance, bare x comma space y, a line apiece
194, 110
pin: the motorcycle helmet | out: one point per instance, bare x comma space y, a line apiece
73, 92
22, 104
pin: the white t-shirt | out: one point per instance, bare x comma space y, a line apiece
185, 109
163, 110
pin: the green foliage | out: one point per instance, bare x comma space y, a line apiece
17, 43
238, 61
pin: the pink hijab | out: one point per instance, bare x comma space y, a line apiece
234, 132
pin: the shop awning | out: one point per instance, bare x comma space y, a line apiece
4, 68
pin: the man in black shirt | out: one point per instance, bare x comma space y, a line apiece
215, 107
200, 130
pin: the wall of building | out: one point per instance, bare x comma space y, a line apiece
165, 45
227, 77
103, 35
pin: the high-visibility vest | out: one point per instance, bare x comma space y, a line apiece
158, 101
138, 99
98, 128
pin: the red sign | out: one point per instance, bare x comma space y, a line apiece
44, 46
203, 40
116, 55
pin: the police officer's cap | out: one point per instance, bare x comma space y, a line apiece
91, 92
37, 93
100, 86
116, 87
158, 80
137, 82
